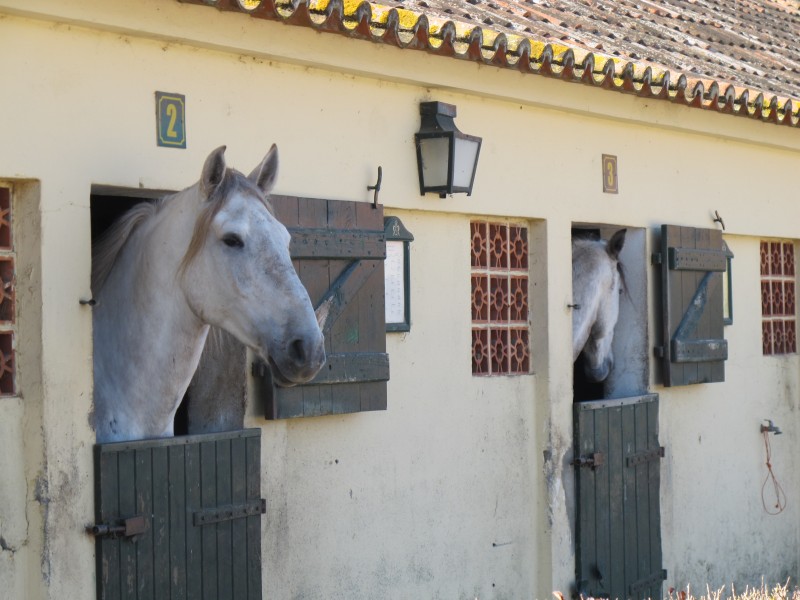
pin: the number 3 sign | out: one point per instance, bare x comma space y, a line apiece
171, 119
610, 177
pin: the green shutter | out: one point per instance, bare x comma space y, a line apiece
692, 262
338, 249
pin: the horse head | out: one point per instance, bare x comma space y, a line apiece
597, 282
238, 274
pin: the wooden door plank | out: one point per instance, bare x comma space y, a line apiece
160, 469
144, 506
208, 499
340, 216
253, 491
703, 331
286, 209
371, 310
292, 216
224, 531
127, 508
586, 526
716, 316
107, 508
642, 495
654, 485
629, 495
194, 553
239, 526
616, 464
603, 506
177, 522
670, 303
315, 275
689, 280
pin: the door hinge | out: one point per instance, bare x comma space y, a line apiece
229, 512
130, 527
643, 457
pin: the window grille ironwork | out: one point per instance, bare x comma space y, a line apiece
778, 298
499, 274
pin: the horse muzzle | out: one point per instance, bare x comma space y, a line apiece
596, 374
300, 361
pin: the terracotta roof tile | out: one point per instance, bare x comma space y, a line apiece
735, 56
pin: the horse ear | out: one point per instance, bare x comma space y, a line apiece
615, 244
265, 174
213, 171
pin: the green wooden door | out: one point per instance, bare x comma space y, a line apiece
618, 550
193, 506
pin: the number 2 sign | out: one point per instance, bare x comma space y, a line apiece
171, 119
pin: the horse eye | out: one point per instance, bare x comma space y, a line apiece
232, 240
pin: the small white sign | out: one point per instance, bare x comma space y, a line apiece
395, 283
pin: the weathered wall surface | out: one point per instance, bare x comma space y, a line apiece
462, 487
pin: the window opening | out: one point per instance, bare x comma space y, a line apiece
778, 306
499, 273
107, 204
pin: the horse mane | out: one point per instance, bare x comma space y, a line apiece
108, 247
106, 250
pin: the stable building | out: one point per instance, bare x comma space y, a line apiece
450, 447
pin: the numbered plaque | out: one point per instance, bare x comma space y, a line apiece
171, 120
610, 177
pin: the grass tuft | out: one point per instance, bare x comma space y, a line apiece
777, 592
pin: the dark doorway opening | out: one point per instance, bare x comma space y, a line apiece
629, 377
107, 205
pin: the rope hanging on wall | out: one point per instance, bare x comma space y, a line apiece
780, 496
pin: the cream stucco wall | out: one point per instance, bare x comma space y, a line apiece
462, 487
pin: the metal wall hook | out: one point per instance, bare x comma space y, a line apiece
718, 219
89, 302
376, 187
574, 306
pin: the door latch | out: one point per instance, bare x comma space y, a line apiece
129, 527
591, 461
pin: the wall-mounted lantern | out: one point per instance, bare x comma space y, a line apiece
397, 274
446, 158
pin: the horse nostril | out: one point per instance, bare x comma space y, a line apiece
297, 352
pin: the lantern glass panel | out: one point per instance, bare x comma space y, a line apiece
466, 157
434, 153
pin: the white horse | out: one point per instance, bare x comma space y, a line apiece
213, 254
597, 282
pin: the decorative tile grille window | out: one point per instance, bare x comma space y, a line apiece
500, 330
7, 300
778, 306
